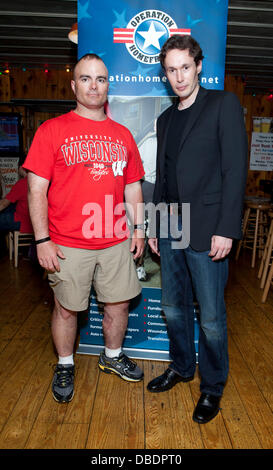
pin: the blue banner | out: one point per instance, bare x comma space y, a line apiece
146, 336
128, 36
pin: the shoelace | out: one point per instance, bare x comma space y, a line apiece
125, 360
64, 377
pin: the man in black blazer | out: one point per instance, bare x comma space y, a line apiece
201, 160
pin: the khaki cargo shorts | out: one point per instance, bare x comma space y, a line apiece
111, 271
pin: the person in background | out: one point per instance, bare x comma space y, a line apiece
201, 160
14, 212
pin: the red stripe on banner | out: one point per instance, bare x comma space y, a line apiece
127, 41
120, 30
180, 31
123, 35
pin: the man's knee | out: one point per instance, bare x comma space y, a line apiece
117, 308
62, 312
115, 311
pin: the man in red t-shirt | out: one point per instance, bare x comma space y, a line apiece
82, 166
14, 213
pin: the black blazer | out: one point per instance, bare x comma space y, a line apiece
211, 165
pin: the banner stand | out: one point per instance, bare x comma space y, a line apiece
148, 354
128, 35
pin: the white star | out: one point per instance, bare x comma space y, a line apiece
151, 37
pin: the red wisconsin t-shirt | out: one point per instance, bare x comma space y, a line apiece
18, 194
88, 164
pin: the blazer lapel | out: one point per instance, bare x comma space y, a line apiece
199, 103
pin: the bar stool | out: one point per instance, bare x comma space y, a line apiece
17, 239
267, 283
255, 223
267, 254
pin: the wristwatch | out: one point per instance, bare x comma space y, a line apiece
139, 226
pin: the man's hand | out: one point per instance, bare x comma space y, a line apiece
137, 243
48, 254
220, 247
153, 243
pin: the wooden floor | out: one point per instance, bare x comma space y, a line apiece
109, 413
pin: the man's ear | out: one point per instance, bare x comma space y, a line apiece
73, 86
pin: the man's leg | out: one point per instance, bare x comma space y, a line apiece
115, 282
71, 287
113, 360
115, 323
178, 306
64, 330
209, 280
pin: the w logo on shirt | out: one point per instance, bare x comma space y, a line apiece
117, 167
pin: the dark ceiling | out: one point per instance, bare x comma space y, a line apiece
34, 33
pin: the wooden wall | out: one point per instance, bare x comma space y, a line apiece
34, 84
55, 85
256, 106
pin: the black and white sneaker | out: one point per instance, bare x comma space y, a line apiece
122, 366
141, 273
63, 383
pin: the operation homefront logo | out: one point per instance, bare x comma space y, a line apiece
146, 33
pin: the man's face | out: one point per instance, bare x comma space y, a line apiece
182, 72
90, 84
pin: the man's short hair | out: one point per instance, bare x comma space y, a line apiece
88, 56
181, 42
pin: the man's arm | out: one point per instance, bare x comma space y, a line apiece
47, 252
4, 203
234, 157
134, 203
233, 147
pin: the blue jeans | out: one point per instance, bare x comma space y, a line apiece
7, 222
188, 275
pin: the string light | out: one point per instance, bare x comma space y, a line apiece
24, 69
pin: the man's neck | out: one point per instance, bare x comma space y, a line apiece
96, 114
187, 102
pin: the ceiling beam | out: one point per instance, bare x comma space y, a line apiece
250, 5
37, 14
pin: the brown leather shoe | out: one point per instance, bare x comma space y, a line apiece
206, 409
166, 381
